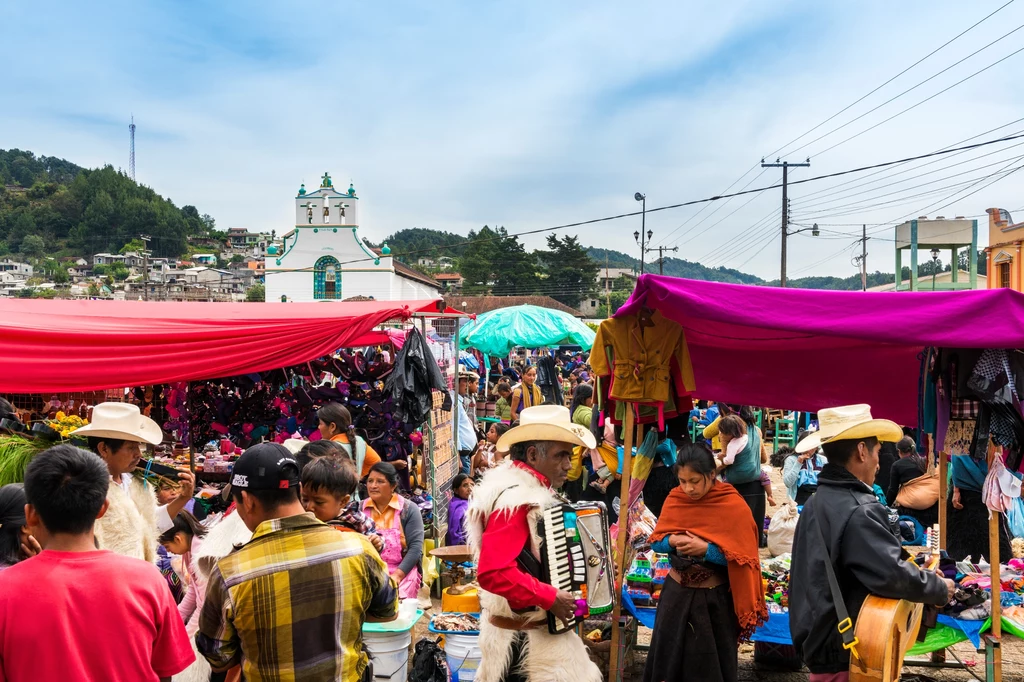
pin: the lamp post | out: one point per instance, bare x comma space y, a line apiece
643, 235
935, 265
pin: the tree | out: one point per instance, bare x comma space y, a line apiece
94, 289
237, 258
100, 270
515, 270
477, 262
33, 246
963, 263
60, 275
256, 293
136, 245
618, 299
120, 271
572, 273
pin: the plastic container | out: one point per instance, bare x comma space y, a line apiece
463, 653
462, 650
388, 646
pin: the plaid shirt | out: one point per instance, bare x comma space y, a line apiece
290, 604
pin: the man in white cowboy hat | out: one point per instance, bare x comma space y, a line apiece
133, 521
502, 524
844, 546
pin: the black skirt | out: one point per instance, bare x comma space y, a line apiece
753, 494
696, 636
967, 529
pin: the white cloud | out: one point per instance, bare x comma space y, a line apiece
527, 115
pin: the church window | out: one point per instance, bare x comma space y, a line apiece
327, 279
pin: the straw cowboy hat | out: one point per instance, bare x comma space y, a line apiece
849, 422
467, 374
546, 422
123, 421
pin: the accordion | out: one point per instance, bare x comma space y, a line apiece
575, 557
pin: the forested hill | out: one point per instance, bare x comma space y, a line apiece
674, 267
76, 211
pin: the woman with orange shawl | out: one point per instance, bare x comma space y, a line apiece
713, 597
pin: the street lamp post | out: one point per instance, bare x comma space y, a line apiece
935, 265
643, 233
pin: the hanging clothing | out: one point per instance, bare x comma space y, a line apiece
415, 374
549, 380
649, 357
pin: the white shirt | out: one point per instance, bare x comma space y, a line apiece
164, 522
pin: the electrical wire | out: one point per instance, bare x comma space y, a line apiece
919, 61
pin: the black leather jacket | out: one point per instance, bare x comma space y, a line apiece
866, 560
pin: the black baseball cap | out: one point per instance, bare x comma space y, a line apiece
266, 466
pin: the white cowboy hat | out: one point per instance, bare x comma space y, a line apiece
295, 444
468, 374
849, 422
546, 422
123, 421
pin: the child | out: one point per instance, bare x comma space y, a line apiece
112, 615
503, 405
486, 454
462, 488
327, 487
766, 482
184, 539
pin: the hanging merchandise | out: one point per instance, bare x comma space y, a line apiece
549, 381
416, 373
642, 359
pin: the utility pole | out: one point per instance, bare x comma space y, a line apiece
607, 290
145, 263
785, 166
661, 257
862, 260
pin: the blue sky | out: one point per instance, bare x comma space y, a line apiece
450, 115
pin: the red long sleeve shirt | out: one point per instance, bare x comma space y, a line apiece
497, 572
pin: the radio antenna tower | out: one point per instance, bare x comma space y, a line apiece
131, 155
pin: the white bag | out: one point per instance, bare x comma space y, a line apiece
782, 529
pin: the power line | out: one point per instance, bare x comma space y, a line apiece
862, 98
927, 99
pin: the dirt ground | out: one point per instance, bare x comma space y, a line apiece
1012, 647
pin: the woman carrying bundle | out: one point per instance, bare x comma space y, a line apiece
713, 595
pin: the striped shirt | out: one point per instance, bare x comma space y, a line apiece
290, 604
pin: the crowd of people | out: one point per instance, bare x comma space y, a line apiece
315, 540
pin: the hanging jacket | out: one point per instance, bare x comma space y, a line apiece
416, 373
549, 381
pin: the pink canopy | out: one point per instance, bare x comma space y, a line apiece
807, 349
379, 337
51, 346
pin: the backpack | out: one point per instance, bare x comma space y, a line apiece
429, 663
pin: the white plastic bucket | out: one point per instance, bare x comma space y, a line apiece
390, 654
463, 654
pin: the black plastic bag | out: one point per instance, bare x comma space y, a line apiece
429, 663
415, 374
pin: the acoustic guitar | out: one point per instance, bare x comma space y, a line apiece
886, 629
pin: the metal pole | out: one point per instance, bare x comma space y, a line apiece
864, 258
643, 234
785, 218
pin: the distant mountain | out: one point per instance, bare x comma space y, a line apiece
674, 267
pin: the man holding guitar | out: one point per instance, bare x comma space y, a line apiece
844, 550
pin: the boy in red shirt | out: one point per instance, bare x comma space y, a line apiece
75, 612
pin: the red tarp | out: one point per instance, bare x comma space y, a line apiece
50, 346
807, 349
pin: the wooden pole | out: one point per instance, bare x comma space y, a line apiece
943, 494
620, 540
993, 550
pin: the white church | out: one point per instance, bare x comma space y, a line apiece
324, 259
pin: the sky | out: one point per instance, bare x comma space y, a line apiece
452, 115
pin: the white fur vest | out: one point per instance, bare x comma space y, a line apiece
220, 541
129, 525
547, 657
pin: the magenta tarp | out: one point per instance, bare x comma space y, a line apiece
807, 349
51, 346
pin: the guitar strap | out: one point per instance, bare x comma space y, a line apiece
845, 627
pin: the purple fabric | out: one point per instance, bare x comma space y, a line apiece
457, 508
807, 349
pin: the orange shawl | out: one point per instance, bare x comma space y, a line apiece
723, 518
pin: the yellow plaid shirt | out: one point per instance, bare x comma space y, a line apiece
290, 604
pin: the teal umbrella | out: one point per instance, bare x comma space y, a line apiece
497, 332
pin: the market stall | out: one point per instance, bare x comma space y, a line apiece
801, 349
497, 332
